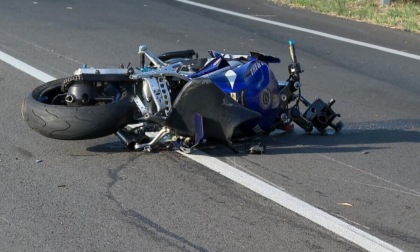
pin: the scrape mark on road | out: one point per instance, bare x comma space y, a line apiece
404, 189
153, 229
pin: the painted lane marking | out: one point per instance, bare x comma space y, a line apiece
257, 185
293, 27
325, 220
22, 66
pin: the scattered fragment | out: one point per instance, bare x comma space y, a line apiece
62, 186
257, 149
344, 204
35, 2
38, 161
365, 152
69, 8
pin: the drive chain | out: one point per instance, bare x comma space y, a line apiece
69, 81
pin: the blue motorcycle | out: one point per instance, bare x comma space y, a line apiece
177, 100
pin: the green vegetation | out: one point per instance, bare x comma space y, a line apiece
401, 14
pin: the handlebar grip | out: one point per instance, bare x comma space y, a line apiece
292, 51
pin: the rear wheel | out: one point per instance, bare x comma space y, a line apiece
46, 111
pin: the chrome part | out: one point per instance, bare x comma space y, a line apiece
99, 71
128, 140
147, 146
140, 105
164, 90
142, 49
69, 98
283, 97
156, 90
80, 94
153, 58
167, 71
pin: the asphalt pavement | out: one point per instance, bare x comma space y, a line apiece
95, 195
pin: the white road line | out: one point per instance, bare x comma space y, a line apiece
329, 222
264, 189
25, 67
293, 27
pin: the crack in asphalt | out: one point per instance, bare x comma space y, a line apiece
147, 225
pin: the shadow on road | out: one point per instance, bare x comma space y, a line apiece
355, 137
111, 147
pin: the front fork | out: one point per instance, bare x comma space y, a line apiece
318, 113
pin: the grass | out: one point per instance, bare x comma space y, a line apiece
401, 14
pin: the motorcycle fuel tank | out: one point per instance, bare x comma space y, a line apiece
254, 86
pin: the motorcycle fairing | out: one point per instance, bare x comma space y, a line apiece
256, 88
264, 58
213, 65
221, 114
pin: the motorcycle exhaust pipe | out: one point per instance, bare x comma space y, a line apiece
128, 139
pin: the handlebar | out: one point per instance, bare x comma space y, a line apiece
294, 68
292, 51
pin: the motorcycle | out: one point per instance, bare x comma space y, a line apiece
177, 100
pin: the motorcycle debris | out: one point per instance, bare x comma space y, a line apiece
344, 204
257, 149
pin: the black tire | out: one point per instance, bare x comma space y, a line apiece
76, 123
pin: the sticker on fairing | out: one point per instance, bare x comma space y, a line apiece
231, 76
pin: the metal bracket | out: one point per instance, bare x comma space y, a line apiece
140, 105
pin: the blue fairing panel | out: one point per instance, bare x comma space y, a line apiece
254, 86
